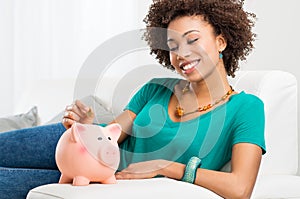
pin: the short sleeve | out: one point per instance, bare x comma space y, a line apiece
141, 97
250, 123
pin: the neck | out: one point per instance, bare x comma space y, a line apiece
213, 86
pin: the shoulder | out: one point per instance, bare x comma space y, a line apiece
245, 99
247, 106
158, 85
164, 82
249, 120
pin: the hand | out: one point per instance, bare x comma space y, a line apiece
77, 112
142, 170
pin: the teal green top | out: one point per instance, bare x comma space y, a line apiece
210, 136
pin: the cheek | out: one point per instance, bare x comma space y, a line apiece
213, 55
209, 53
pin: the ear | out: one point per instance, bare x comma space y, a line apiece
221, 42
74, 133
115, 130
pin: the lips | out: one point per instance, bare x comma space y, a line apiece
187, 67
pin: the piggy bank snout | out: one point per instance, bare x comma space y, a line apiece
110, 155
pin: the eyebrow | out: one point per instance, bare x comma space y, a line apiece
186, 33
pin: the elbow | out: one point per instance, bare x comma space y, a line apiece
242, 192
242, 196
242, 188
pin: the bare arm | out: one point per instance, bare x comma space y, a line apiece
238, 183
125, 119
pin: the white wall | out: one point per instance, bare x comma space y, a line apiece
45, 40
278, 43
6, 57
278, 29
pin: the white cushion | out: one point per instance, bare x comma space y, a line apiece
277, 186
267, 186
278, 90
23, 120
115, 89
131, 189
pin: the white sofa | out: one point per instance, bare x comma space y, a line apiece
278, 176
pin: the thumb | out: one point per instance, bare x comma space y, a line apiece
90, 113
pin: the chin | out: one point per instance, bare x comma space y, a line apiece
196, 76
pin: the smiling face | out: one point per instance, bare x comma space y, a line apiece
194, 47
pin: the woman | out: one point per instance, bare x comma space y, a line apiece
206, 39
184, 129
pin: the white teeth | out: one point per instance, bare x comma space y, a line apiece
189, 66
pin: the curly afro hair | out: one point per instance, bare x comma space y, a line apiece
227, 17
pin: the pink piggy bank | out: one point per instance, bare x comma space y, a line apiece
88, 153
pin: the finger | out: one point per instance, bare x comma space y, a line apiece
69, 107
74, 111
67, 123
122, 175
82, 107
129, 176
72, 115
87, 111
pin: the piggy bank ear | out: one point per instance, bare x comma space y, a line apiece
75, 129
115, 130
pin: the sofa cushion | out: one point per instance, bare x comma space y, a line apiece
267, 187
277, 186
131, 189
278, 91
19, 121
115, 89
102, 114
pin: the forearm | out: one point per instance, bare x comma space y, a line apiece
227, 185
224, 184
172, 170
125, 119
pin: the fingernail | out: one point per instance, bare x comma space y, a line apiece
86, 109
69, 108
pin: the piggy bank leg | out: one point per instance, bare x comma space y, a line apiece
80, 181
110, 180
64, 180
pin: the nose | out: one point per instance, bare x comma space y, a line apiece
183, 52
110, 155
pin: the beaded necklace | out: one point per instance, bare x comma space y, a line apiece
179, 112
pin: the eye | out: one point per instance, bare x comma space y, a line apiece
173, 46
109, 138
99, 138
191, 41
173, 49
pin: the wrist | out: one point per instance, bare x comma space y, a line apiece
171, 169
162, 167
190, 170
